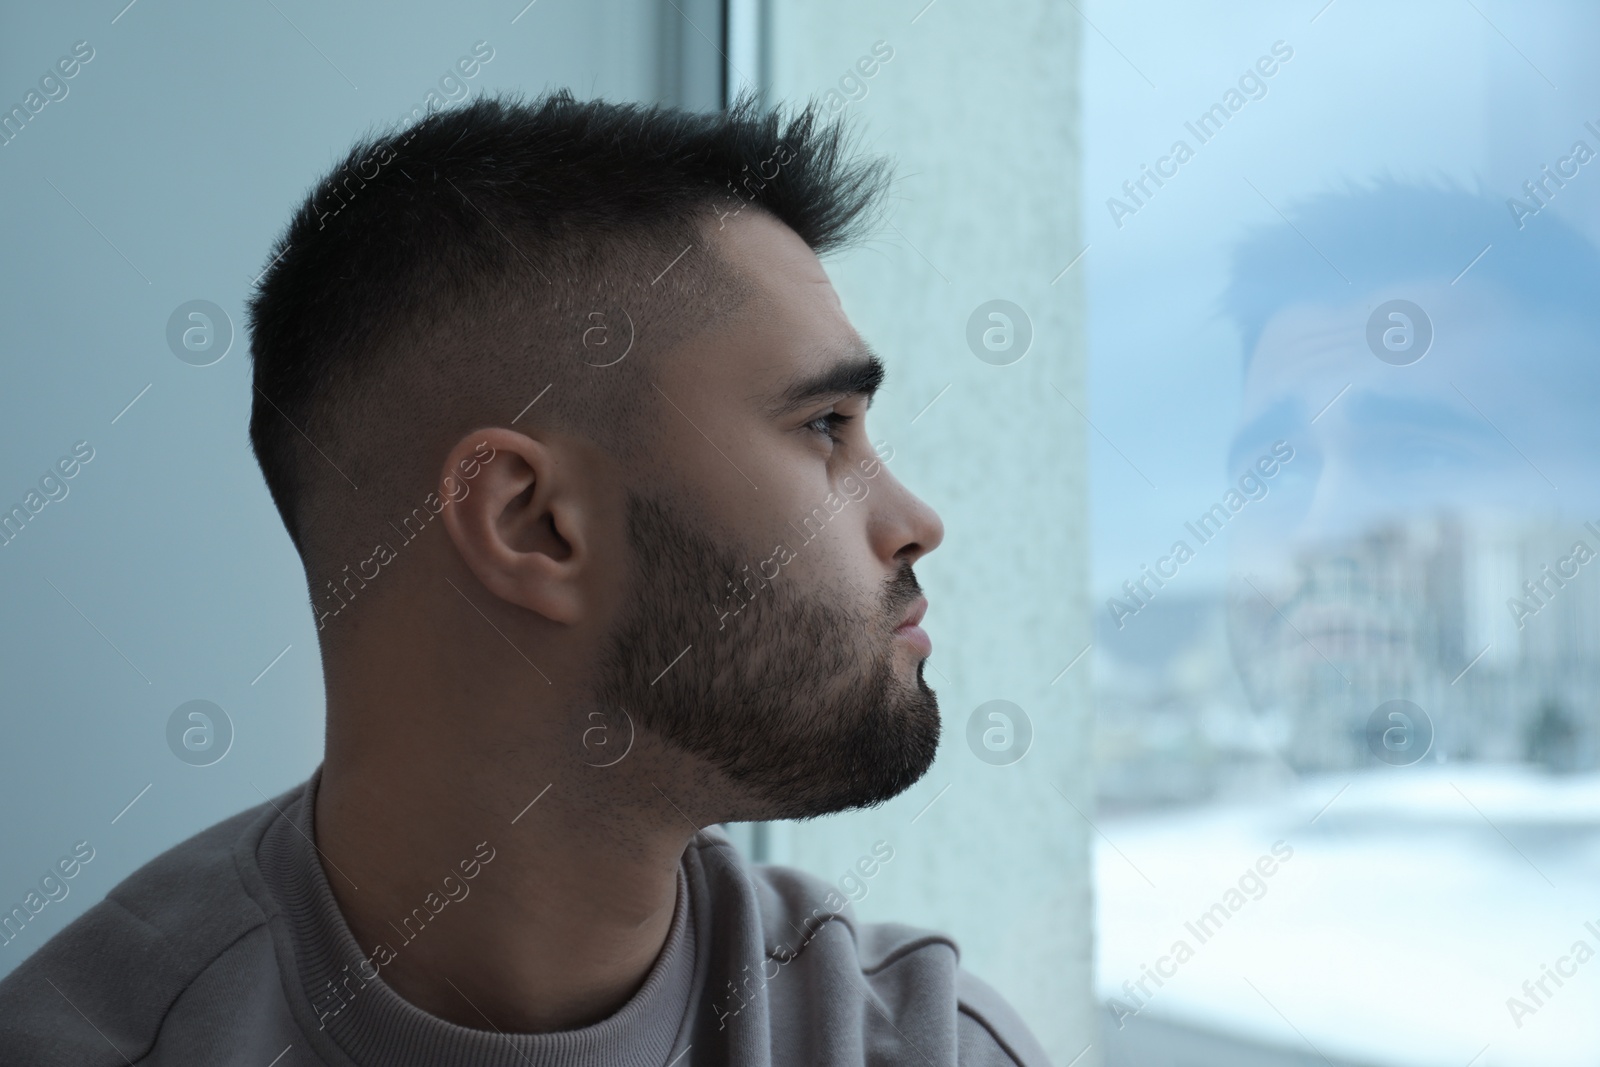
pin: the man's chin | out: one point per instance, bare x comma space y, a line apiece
862, 775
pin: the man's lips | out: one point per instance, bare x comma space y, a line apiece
914, 634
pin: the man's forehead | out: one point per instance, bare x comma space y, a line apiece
764, 249
791, 343
1302, 335
1305, 347
1490, 359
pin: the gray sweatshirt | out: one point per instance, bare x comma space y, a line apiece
229, 949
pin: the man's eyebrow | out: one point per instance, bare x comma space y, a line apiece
1376, 410
861, 371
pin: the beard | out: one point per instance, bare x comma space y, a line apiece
797, 699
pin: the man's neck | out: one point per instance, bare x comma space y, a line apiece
556, 929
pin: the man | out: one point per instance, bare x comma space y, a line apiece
567, 425
1426, 362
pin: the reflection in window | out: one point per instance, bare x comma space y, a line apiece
1411, 614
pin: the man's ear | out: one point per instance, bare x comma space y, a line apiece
515, 511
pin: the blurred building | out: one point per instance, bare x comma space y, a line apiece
1488, 626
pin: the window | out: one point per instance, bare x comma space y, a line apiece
1325, 455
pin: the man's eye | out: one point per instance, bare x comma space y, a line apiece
830, 425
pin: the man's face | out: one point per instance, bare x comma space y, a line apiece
1375, 441
771, 556
1479, 432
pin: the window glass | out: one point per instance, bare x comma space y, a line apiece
1345, 523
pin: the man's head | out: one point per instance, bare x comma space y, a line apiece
1428, 442
593, 344
1509, 348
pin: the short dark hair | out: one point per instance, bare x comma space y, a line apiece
447, 271
1390, 231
